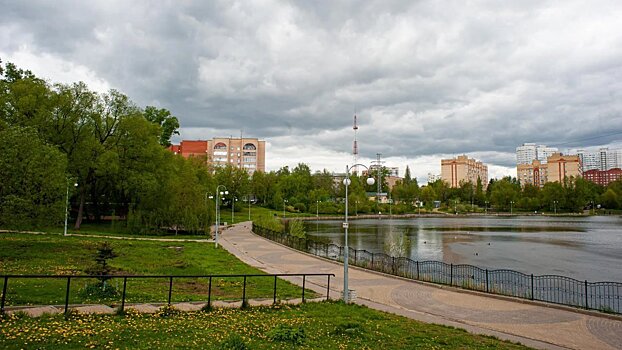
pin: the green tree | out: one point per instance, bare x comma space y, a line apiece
167, 122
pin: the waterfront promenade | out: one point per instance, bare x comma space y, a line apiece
534, 324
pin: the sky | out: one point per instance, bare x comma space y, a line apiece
427, 79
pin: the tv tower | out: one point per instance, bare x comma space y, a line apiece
355, 146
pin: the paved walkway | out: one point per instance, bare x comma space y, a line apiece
532, 324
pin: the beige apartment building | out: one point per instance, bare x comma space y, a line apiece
533, 174
244, 153
463, 169
557, 168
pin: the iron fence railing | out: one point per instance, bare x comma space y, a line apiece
602, 296
169, 278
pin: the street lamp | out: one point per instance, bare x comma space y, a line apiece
249, 207
390, 210
511, 207
67, 206
233, 200
219, 195
455, 207
317, 209
486, 206
284, 201
555, 204
346, 182
210, 196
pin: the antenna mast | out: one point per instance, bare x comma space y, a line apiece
355, 146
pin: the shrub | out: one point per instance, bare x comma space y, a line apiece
297, 228
233, 342
288, 334
349, 329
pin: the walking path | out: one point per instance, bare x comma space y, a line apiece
534, 324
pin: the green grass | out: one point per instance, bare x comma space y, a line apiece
327, 325
57, 255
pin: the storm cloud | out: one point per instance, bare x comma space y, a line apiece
427, 79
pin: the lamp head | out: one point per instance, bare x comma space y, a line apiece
371, 181
347, 182
226, 192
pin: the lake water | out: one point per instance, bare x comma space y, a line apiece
585, 248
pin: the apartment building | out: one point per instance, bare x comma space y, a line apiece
533, 174
557, 168
528, 152
463, 169
603, 159
603, 177
244, 153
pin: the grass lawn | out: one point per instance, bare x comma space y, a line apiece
326, 325
57, 255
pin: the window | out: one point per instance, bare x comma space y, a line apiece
250, 146
220, 153
250, 153
220, 145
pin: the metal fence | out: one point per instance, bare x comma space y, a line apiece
169, 278
602, 296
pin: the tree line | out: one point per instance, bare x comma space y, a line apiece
109, 157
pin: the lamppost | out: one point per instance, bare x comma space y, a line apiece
317, 209
511, 207
346, 182
356, 207
233, 200
219, 195
486, 206
390, 209
210, 196
249, 207
67, 206
284, 201
455, 207
592, 207
555, 204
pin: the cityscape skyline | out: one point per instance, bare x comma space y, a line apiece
427, 81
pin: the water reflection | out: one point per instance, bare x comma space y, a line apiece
583, 248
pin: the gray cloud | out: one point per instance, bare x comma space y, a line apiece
426, 78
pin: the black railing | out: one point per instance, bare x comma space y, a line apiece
169, 278
602, 296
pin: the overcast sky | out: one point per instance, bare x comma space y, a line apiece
427, 79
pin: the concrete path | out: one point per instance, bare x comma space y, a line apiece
534, 324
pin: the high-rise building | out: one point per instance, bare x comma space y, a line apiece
603, 159
244, 153
529, 152
463, 169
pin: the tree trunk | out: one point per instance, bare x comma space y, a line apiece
80, 208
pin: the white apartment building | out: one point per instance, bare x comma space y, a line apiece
603, 159
529, 152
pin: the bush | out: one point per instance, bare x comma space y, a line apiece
288, 334
300, 207
233, 342
99, 290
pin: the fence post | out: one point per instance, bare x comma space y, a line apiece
274, 297
417, 269
486, 280
326, 245
393, 265
6, 281
303, 287
170, 289
451, 274
67, 296
372, 261
328, 289
586, 304
355, 256
123, 295
532, 287
244, 292
209, 293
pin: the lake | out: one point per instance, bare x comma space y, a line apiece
584, 248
